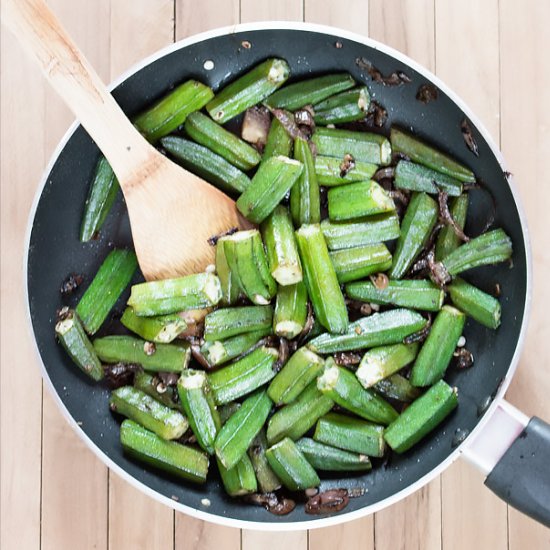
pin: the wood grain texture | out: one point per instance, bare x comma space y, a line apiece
354, 534
192, 533
258, 540
203, 16
281, 10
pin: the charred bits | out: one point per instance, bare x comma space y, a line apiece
394, 79
333, 500
469, 137
212, 241
427, 92
464, 358
71, 283
120, 374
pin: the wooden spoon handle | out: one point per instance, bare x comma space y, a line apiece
74, 79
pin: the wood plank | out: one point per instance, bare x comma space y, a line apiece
354, 534
192, 533
204, 16
525, 81
288, 540
281, 10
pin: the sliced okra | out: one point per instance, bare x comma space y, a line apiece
305, 201
344, 107
333, 171
161, 329
351, 264
278, 141
448, 240
475, 303
290, 314
267, 480
415, 177
355, 200
239, 480
226, 322
219, 352
331, 459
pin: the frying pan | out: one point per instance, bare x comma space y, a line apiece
503, 442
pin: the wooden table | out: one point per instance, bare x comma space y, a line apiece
55, 493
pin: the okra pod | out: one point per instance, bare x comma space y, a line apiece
362, 146
379, 329
332, 171
282, 251
226, 322
355, 263
241, 428
152, 386
171, 111
272, 181
343, 107
332, 459
197, 401
295, 419
101, 196
489, 248
228, 280
249, 89
475, 303
206, 164
291, 466
448, 240
73, 338
299, 371
206, 132
267, 480
436, 352
290, 314
174, 458
112, 278
321, 280
143, 409
350, 434
243, 376
415, 177
152, 357
278, 141
227, 410
421, 417
197, 291
371, 230
311, 91
239, 480
161, 329
412, 293
420, 152
344, 389
397, 387
379, 363
305, 201
355, 200
222, 351
418, 223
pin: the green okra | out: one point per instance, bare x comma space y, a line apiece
151, 385
246, 258
197, 401
350, 434
272, 181
448, 240
415, 177
243, 376
311, 91
239, 480
436, 352
278, 141
343, 107
206, 164
101, 197
418, 223
160, 329
397, 387
267, 480
321, 280
379, 363
171, 111
197, 291
305, 201
412, 293
227, 410
143, 409
113, 276
489, 248
351, 264
249, 89
344, 389
206, 132
152, 357
290, 314
421, 417
73, 338
333, 171
295, 419
228, 280
331, 459
370, 230
280, 244
355, 200
475, 303
240, 429
174, 458
299, 371
420, 152
226, 322
291, 466
219, 352
379, 329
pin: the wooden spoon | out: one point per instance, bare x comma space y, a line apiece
172, 212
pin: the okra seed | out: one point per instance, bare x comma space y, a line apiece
210, 268
338, 45
161, 387
375, 307
208, 65
205, 502
246, 44
461, 342
149, 348
311, 492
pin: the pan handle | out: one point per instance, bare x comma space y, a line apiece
514, 452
